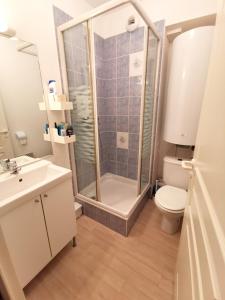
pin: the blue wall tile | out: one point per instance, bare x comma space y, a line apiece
99, 67
122, 106
134, 106
122, 155
107, 123
133, 141
71, 78
137, 40
109, 48
81, 79
110, 69
134, 124
119, 98
123, 66
111, 166
78, 60
106, 106
100, 87
108, 139
99, 44
122, 169
111, 153
122, 123
109, 88
60, 16
132, 171
123, 87
133, 157
123, 42
135, 86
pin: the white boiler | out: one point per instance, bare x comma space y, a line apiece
187, 78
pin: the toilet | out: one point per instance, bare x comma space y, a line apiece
171, 198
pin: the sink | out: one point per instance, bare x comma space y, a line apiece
24, 160
31, 181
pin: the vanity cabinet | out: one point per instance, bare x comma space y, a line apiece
38, 229
58, 207
26, 239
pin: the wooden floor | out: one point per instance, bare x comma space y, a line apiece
106, 265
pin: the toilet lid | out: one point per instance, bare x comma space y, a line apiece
171, 198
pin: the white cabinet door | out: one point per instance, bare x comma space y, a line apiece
26, 238
58, 205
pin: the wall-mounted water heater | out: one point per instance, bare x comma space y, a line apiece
187, 77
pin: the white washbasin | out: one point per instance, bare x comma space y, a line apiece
30, 181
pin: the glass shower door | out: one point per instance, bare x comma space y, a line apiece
76, 48
148, 113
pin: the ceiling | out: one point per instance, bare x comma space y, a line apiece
95, 3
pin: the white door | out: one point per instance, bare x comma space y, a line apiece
201, 260
58, 205
25, 234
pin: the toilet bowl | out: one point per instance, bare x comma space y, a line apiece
171, 198
171, 203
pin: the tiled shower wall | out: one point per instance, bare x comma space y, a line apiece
82, 115
118, 100
82, 118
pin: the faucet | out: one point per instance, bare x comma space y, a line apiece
13, 167
5, 164
10, 165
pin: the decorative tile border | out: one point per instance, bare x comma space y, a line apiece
111, 221
132, 219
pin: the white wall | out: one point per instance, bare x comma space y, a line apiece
114, 22
33, 21
175, 11
21, 90
3, 123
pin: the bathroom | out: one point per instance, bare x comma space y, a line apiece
112, 165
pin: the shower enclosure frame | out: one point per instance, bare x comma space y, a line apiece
88, 18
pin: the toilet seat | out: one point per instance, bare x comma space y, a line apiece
171, 199
175, 212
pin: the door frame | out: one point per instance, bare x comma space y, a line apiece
155, 111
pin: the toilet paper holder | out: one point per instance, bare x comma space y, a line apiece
21, 137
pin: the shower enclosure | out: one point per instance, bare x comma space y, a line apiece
110, 61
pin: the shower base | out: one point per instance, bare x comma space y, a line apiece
119, 206
119, 193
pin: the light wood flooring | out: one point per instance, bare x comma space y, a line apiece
106, 265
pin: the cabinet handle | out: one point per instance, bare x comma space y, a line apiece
36, 200
45, 195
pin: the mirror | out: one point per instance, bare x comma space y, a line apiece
21, 121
